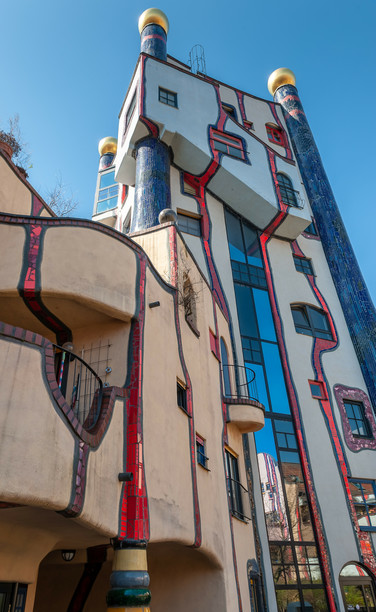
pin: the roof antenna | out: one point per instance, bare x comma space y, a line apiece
196, 60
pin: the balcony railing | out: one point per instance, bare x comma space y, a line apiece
239, 382
290, 196
239, 499
80, 385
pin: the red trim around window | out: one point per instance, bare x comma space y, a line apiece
320, 393
276, 135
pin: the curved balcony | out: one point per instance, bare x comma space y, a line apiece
240, 394
80, 385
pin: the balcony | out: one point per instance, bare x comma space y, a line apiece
240, 394
80, 386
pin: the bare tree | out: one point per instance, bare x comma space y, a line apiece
21, 155
61, 199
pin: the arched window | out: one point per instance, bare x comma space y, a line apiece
288, 194
311, 321
357, 588
225, 369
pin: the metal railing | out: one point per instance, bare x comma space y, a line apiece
241, 379
291, 196
239, 499
80, 385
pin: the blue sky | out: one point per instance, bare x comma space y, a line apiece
66, 67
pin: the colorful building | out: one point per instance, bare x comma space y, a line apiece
188, 380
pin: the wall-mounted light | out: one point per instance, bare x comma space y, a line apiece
68, 555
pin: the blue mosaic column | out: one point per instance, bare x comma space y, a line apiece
352, 292
152, 188
129, 578
153, 27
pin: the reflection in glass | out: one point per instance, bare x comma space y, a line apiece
297, 502
252, 248
265, 439
264, 315
235, 239
107, 179
277, 387
314, 600
246, 311
225, 369
260, 382
288, 600
273, 499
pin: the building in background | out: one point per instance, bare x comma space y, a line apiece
188, 380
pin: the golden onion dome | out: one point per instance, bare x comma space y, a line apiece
155, 16
107, 145
281, 76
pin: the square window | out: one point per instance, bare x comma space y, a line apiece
275, 135
302, 264
359, 423
189, 225
318, 389
168, 97
181, 393
202, 459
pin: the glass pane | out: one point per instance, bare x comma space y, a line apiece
276, 381
369, 495
300, 317
260, 383
319, 319
354, 598
235, 238
273, 498
357, 411
220, 146
288, 600
106, 205
246, 311
264, 315
286, 426
315, 600
107, 180
236, 152
265, 440
296, 495
369, 596
252, 246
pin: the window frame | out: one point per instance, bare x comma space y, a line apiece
272, 130
362, 481
229, 142
181, 390
302, 262
167, 100
311, 329
323, 395
234, 486
201, 456
129, 112
230, 110
184, 216
287, 191
364, 420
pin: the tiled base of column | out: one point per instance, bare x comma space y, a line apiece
129, 579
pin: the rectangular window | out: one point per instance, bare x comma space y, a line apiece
275, 135
189, 225
234, 488
302, 264
359, 424
318, 389
363, 497
202, 459
311, 229
223, 143
130, 111
181, 396
108, 192
168, 97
